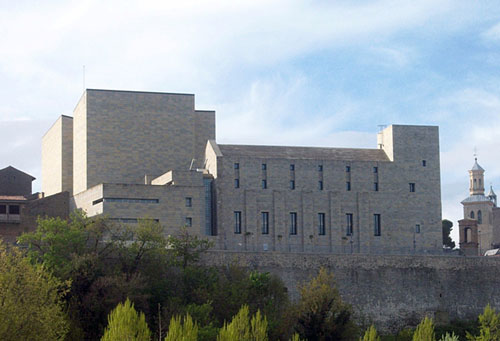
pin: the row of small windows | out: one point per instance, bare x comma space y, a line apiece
479, 216
320, 224
320, 185
319, 168
13, 209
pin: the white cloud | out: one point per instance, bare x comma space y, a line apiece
492, 34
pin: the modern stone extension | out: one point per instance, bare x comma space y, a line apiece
130, 155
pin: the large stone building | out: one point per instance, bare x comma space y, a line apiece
480, 228
130, 155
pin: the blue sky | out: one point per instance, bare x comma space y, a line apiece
318, 73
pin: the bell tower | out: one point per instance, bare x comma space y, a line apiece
476, 177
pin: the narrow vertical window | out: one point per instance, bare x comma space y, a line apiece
264, 184
376, 225
375, 186
265, 222
189, 202
189, 221
348, 230
293, 223
236, 183
292, 167
472, 214
479, 217
417, 228
320, 185
292, 184
264, 166
3, 209
321, 224
237, 222
375, 169
236, 166
348, 186
424, 163
347, 169
412, 186
320, 168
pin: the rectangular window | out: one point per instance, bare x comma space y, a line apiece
293, 223
320, 168
264, 166
417, 228
347, 169
424, 163
321, 224
189, 202
376, 225
412, 187
265, 222
292, 184
292, 167
348, 186
375, 186
375, 169
3, 209
189, 221
13, 209
132, 200
237, 222
348, 230
320, 185
236, 166
236, 183
264, 184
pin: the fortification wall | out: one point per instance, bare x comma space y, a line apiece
389, 291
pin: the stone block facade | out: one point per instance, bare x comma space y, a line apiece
138, 154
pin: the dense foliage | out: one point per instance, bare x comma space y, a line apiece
80, 271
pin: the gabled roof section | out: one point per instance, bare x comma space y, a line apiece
313, 153
11, 169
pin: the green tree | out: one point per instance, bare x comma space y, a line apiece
31, 305
449, 337
447, 227
320, 313
370, 334
489, 326
425, 331
125, 323
243, 329
187, 247
186, 330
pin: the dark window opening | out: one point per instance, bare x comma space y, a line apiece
320, 185
293, 223
292, 184
189, 221
189, 202
375, 186
376, 225
264, 166
236, 166
349, 221
3, 209
292, 167
348, 169
375, 169
264, 184
320, 168
479, 217
265, 222
417, 228
424, 163
412, 187
348, 186
237, 222
472, 214
236, 183
321, 224
13, 209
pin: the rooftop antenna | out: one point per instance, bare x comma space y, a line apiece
83, 77
475, 153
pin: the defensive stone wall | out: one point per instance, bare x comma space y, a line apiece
390, 291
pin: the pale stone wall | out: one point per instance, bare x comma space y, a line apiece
390, 291
80, 146
400, 210
131, 134
52, 159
